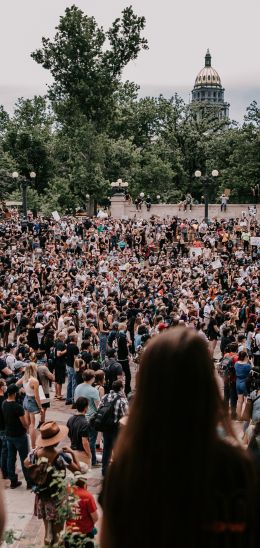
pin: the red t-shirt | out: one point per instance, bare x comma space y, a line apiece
84, 506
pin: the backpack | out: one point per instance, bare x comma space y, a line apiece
226, 368
41, 474
104, 417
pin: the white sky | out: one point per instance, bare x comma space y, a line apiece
178, 32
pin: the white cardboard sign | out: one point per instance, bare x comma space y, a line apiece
56, 216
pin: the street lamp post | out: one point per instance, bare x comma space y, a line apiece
117, 185
15, 175
206, 182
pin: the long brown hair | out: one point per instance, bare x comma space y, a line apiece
154, 495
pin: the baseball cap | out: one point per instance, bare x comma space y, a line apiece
12, 389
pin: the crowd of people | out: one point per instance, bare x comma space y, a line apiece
81, 303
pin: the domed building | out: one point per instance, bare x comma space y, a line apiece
208, 88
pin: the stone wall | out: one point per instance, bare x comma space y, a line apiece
120, 209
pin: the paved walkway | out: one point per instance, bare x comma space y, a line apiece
27, 529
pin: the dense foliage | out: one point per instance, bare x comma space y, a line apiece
91, 128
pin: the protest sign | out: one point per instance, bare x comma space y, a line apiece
216, 264
56, 216
255, 240
195, 251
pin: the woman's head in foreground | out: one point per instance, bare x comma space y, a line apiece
176, 387
165, 455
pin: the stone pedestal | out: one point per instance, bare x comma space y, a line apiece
118, 206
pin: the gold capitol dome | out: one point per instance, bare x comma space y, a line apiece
208, 76
208, 91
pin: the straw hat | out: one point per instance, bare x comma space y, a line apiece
51, 433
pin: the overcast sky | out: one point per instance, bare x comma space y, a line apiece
178, 32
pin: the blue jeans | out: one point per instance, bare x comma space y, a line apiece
3, 454
102, 345
14, 444
71, 384
92, 438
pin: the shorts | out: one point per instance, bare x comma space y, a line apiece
60, 374
47, 404
241, 389
30, 405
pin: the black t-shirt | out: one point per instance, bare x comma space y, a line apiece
212, 334
61, 360
86, 356
78, 429
72, 351
122, 348
11, 412
2, 422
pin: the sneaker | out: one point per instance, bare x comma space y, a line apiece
14, 485
96, 465
68, 402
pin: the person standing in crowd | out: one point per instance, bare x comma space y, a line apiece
212, 332
79, 431
86, 390
256, 346
72, 353
103, 333
5, 371
222, 486
117, 397
60, 364
45, 377
123, 344
113, 369
32, 403
47, 500
242, 368
3, 444
16, 435
10, 356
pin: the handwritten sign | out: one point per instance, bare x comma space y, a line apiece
56, 216
255, 240
195, 251
216, 264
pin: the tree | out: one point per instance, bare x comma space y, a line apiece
7, 167
28, 137
87, 75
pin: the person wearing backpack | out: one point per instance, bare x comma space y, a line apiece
113, 407
113, 369
41, 464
